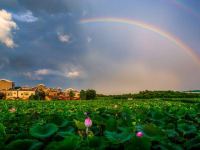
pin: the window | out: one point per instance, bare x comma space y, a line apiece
9, 94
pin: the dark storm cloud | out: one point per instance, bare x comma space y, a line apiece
8, 4
49, 6
3, 61
40, 42
39, 46
52, 47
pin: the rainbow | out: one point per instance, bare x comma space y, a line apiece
146, 26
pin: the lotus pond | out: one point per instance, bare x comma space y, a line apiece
110, 124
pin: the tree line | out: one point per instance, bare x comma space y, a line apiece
91, 94
157, 94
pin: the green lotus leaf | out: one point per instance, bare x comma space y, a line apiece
2, 130
153, 131
36, 146
171, 133
56, 119
97, 143
187, 128
71, 143
138, 144
117, 138
65, 133
43, 132
167, 146
9, 138
79, 125
22, 136
111, 124
193, 142
158, 115
26, 144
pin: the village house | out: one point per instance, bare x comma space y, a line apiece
6, 84
19, 94
76, 93
11, 93
52, 94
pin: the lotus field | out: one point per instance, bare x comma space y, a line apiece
99, 124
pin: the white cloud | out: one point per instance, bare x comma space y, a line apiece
65, 38
25, 17
6, 27
43, 72
73, 74
37, 74
89, 39
31, 76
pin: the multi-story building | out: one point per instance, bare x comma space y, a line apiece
6, 84
19, 94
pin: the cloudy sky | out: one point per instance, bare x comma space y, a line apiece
114, 46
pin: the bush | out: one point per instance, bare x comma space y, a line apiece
2, 95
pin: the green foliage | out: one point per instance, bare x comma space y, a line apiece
71, 95
98, 143
57, 125
158, 94
138, 144
117, 138
2, 95
26, 144
39, 95
80, 125
90, 94
71, 143
193, 143
43, 132
187, 129
83, 95
2, 130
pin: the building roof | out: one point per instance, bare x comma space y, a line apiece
6, 80
70, 89
13, 90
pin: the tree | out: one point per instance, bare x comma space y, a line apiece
90, 94
83, 95
39, 95
71, 94
2, 95
17, 87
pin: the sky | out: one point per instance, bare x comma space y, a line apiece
112, 46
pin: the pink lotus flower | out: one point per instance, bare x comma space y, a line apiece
139, 134
88, 122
